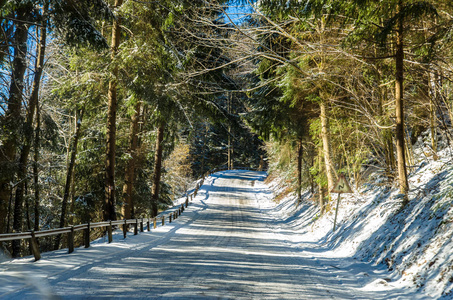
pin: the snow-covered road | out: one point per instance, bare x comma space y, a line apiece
224, 246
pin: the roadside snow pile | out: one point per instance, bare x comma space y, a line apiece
414, 242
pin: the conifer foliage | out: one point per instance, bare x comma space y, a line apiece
110, 109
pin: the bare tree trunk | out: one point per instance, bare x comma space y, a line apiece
399, 105
11, 120
326, 146
69, 175
128, 187
230, 139
299, 169
109, 207
205, 137
27, 207
229, 148
35, 167
432, 78
321, 189
157, 168
28, 125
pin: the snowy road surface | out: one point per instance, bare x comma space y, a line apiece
224, 246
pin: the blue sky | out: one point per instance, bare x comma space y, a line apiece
238, 10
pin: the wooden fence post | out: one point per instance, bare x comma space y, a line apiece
109, 230
87, 235
163, 220
148, 224
141, 225
71, 240
154, 222
136, 227
34, 246
125, 228
187, 201
169, 218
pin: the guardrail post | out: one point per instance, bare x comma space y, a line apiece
34, 246
136, 227
154, 222
169, 218
125, 228
87, 235
109, 230
148, 224
163, 220
71, 240
141, 225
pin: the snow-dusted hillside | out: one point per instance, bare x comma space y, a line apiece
414, 243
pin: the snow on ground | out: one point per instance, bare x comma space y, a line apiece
233, 242
413, 243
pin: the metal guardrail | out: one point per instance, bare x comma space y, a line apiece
138, 224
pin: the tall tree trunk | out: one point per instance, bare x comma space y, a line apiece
28, 126
399, 111
35, 167
13, 115
203, 152
11, 120
321, 189
109, 207
157, 168
432, 79
230, 139
69, 175
230, 152
128, 187
299, 169
326, 146
27, 207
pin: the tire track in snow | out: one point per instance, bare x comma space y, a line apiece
220, 248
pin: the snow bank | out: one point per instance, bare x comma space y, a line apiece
413, 242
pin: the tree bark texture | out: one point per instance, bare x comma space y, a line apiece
69, 175
321, 188
11, 120
109, 207
327, 153
157, 168
299, 169
399, 108
35, 167
128, 187
28, 128
432, 92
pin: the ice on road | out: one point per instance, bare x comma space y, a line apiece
222, 247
